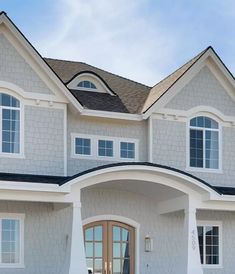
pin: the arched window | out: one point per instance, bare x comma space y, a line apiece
86, 85
204, 143
10, 124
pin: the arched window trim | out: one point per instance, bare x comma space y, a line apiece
188, 127
101, 87
20, 108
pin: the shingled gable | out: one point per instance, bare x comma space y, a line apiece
40, 64
132, 97
167, 84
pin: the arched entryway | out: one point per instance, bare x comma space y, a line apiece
109, 247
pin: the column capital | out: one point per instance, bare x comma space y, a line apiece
190, 210
76, 204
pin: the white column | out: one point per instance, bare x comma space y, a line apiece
193, 263
77, 256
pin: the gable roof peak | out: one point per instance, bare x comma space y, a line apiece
167, 83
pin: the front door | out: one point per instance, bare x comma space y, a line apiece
109, 247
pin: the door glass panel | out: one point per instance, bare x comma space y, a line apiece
116, 266
89, 249
98, 233
121, 251
89, 263
116, 250
89, 234
125, 250
125, 235
93, 237
98, 250
125, 266
98, 266
116, 233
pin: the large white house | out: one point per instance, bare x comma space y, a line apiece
142, 177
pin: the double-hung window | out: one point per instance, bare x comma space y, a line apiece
204, 143
9, 124
11, 241
209, 237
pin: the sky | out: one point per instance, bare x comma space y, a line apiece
143, 40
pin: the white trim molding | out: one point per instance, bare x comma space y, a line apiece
183, 115
91, 77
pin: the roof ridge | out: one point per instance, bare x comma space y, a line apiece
195, 57
3, 12
125, 78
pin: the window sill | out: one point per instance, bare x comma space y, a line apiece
209, 266
20, 265
102, 158
12, 155
204, 170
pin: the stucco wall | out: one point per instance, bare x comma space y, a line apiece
228, 241
14, 69
43, 142
204, 89
47, 237
104, 127
166, 231
169, 148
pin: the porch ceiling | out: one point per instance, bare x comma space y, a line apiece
154, 191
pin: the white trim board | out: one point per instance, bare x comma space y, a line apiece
91, 77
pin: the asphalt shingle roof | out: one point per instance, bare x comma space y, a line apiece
130, 94
132, 97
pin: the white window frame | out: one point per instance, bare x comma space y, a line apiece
95, 149
219, 130
21, 109
20, 218
212, 223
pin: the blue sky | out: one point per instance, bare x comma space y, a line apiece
144, 40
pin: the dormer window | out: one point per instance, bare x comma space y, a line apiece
91, 82
86, 85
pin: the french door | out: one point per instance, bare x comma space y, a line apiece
109, 247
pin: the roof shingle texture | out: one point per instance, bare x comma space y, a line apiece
132, 97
